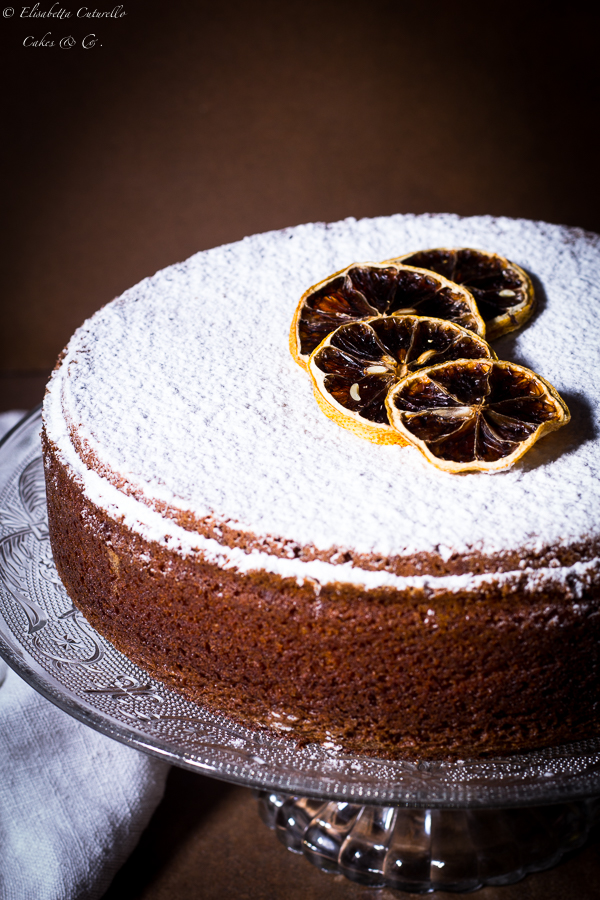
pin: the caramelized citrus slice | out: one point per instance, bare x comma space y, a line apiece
475, 415
503, 291
353, 369
370, 289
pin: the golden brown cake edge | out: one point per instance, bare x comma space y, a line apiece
491, 672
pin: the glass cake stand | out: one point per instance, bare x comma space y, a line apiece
413, 826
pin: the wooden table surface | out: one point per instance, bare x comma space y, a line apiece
193, 124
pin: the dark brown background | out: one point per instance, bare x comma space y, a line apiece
194, 124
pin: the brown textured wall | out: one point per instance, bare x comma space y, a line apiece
194, 124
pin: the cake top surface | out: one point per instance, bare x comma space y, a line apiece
184, 386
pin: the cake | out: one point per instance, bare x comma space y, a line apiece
255, 557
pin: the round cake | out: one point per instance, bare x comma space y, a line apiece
212, 523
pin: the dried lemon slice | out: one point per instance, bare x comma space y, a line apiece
369, 289
353, 369
475, 415
503, 291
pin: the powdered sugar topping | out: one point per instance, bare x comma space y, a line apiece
186, 387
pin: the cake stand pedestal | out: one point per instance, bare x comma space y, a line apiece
407, 825
426, 850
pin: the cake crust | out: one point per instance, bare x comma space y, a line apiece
500, 668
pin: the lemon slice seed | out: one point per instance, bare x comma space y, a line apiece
425, 356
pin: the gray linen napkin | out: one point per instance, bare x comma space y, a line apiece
73, 803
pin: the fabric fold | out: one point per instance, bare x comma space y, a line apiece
73, 802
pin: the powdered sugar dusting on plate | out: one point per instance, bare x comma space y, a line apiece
185, 385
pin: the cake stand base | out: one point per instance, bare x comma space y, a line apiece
424, 850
